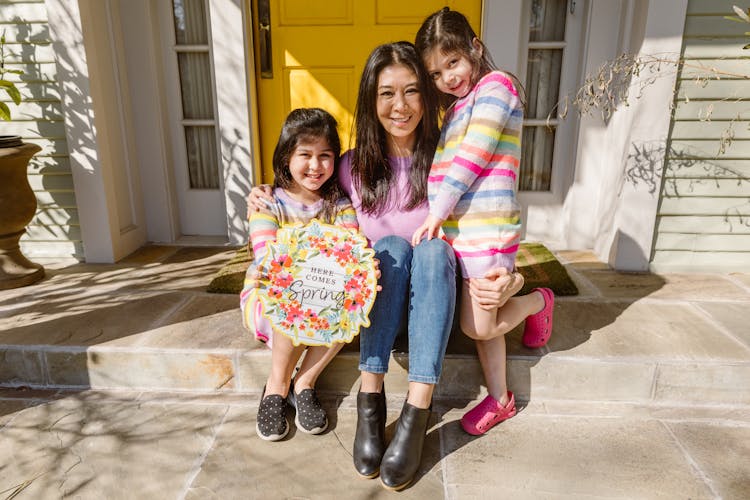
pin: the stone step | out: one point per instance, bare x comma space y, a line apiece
652, 350
147, 323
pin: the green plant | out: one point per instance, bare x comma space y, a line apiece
9, 87
742, 17
616, 80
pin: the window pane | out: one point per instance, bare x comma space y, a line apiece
543, 72
190, 24
195, 77
203, 167
548, 20
543, 77
536, 166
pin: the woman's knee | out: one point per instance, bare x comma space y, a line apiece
393, 251
435, 252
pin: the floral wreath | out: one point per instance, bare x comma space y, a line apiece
346, 267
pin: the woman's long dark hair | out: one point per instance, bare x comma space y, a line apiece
371, 172
304, 125
449, 31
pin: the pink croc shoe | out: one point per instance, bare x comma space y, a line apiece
538, 327
487, 414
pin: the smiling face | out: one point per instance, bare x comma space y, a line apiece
399, 105
452, 72
311, 165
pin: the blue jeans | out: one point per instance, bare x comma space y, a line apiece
422, 279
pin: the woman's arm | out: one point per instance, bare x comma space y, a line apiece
255, 199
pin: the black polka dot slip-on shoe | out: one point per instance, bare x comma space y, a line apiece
271, 424
311, 417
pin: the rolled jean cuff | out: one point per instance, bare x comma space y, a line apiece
427, 379
373, 368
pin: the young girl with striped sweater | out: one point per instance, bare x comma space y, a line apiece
305, 187
472, 196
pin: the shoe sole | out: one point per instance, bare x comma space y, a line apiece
371, 476
316, 430
396, 488
272, 437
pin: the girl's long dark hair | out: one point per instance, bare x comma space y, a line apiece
372, 174
303, 125
449, 31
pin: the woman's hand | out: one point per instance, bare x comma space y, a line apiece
255, 199
497, 286
430, 227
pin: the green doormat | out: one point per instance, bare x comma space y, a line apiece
231, 277
541, 269
537, 264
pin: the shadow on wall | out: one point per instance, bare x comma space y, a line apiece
691, 174
55, 228
238, 184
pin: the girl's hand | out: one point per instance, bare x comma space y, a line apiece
497, 286
430, 228
255, 199
253, 277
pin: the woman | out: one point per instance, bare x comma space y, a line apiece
385, 176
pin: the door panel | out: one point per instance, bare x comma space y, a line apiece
318, 51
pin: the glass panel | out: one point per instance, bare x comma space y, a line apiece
543, 72
195, 77
548, 20
203, 166
543, 82
536, 166
190, 23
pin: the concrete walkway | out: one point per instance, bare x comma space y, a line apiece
129, 381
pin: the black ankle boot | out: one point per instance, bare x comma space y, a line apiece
369, 440
401, 459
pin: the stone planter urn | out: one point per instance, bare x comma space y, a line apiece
17, 208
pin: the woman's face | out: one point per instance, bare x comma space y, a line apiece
399, 104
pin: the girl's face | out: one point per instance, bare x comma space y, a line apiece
399, 104
452, 72
311, 165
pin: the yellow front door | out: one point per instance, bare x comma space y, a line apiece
311, 54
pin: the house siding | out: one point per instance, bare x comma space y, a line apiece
54, 231
703, 221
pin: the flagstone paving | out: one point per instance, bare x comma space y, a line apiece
130, 381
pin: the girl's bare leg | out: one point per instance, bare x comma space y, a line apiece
313, 364
483, 324
284, 357
488, 329
491, 355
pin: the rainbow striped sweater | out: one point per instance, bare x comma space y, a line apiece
472, 182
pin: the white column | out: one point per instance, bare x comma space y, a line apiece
229, 47
640, 133
95, 106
